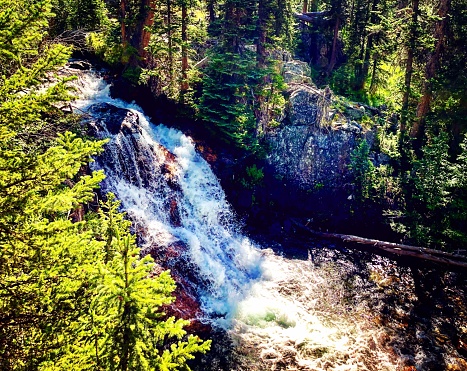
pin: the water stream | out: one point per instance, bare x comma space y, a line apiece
325, 310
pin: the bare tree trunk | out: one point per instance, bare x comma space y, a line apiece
170, 41
431, 69
332, 60
122, 23
305, 7
184, 84
147, 13
377, 246
409, 67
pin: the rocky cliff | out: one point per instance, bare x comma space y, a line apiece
312, 146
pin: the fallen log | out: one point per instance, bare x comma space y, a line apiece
437, 256
317, 14
304, 17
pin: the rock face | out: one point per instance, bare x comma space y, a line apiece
312, 146
140, 164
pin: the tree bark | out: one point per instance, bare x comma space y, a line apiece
368, 49
409, 66
431, 69
170, 41
376, 246
332, 60
184, 84
147, 14
122, 16
261, 32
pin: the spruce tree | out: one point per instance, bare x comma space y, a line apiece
41, 249
124, 327
51, 292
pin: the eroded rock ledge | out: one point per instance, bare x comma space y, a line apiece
312, 146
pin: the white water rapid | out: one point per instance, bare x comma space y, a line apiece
281, 314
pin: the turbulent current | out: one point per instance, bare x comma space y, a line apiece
325, 310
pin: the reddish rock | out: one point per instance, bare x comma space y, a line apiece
174, 213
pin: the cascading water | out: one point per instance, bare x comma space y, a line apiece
319, 313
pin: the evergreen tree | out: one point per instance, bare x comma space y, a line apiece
52, 297
362, 169
124, 327
42, 251
242, 89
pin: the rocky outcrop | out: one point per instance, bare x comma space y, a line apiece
312, 146
129, 157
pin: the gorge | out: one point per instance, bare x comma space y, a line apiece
304, 306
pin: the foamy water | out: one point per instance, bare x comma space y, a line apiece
282, 314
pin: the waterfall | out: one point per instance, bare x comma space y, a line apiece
295, 314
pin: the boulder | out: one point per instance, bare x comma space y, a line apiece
114, 118
296, 72
313, 146
79, 65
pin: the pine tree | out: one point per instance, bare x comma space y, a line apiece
124, 327
51, 294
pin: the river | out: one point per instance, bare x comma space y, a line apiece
321, 308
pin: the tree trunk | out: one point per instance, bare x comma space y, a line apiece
305, 7
184, 84
170, 42
377, 246
147, 16
262, 111
409, 67
211, 11
373, 75
261, 32
431, 69
231, 20
332, 60
122, 23
314, 5
368, 49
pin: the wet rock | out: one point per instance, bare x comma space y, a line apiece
79, 65
355, 112
275, 229
114, 118
245, 198
174, 213
304, 108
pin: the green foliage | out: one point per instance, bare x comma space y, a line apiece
124, 328
253, 177
78, 14
106, 44
73, 292
228, 97
43, 254
434, 208
362, 169
167, 46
